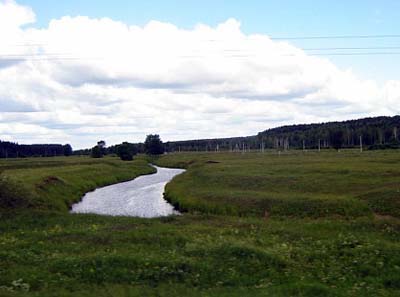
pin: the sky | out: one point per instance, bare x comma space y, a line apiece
79, 71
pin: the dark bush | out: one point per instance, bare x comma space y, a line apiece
96, 152
12, 195
126, 151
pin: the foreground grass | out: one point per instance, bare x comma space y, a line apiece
299, 249
52, 254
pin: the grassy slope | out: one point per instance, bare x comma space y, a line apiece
329, 254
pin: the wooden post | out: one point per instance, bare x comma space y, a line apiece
361, 145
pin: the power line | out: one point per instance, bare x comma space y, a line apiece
325, 49
357, 54
245, 52
337, 37
21, 59
377, 36
352, 48
34, 55
66, 56
295, 55
200, 57
26, 44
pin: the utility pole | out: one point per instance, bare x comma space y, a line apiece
286, 144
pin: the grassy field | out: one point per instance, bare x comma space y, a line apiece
296, 184
298, 224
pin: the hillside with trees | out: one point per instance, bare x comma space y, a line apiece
374, 133
378, 132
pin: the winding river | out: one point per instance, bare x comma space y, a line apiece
141, 197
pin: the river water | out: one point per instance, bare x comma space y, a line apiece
141, 197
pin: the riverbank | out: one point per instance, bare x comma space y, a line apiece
56, 183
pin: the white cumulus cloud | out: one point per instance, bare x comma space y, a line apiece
82, 79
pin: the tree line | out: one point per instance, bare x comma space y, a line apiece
15, 150
153, 145
371, 133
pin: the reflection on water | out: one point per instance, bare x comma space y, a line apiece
141, 197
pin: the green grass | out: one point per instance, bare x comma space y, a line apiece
56, 183
310, 184
196, 255
332, 228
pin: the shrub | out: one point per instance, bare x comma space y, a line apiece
126, 151
96, 152
12, 195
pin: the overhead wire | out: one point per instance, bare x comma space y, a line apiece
357, 51
337, 37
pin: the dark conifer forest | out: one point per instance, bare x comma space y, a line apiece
371, 133
15, 150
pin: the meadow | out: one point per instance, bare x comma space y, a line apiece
294, 184
290, 224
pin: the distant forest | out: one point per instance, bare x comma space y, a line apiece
372, 133
15, 150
